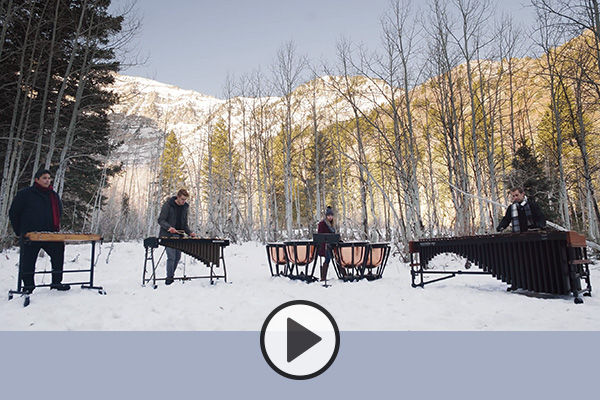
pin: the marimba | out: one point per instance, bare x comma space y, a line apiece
546, 262
66, 237
208, 251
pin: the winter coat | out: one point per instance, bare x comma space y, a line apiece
168, 217
31, 211
537, 216
323, 228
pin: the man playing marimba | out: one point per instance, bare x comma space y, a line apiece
173, 221
524, 214
38, 208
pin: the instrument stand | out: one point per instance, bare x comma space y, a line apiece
64, 238
152, 243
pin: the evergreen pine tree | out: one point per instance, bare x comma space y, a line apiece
528, 173
58, 60
173, 174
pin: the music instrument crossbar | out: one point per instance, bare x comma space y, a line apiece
209, 251
553, 262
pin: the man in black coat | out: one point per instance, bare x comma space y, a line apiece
524, 214
38, 208
173, 221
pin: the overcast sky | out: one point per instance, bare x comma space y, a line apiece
194, 44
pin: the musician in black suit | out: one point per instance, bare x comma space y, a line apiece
38, 208
173, 221
523, 213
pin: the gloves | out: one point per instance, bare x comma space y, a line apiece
499, 229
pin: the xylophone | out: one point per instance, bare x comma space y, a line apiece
66, 237
546, 262
206, 250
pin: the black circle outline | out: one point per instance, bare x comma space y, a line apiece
310, 304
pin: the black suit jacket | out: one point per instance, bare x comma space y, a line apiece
539, 220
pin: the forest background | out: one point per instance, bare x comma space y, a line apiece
420, 137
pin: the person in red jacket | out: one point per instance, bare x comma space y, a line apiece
327, 225
38, 208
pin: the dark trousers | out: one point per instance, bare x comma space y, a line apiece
28, 257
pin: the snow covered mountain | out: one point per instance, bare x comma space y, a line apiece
148, 110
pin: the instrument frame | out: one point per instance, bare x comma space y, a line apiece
151, 243
65, 237
559, 269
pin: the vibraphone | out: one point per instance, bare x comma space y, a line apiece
545, 262
207, 251
65, 237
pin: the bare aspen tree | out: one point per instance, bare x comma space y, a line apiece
345, 85
315, 84
287, 72
400, 48
549, 39
258, 117
247, 187
579, 18
449, 102
66, 78
474, 16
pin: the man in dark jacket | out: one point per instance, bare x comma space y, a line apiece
524, 214
173, 221
38, 208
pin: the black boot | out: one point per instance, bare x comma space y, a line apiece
59, 286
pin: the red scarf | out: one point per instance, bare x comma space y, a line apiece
54, 203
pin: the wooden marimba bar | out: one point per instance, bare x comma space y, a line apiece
206, 250
545, 262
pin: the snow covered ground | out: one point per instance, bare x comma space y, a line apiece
464, 303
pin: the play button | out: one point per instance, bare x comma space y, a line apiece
299, 339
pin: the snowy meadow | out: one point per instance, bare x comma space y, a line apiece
464, 303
